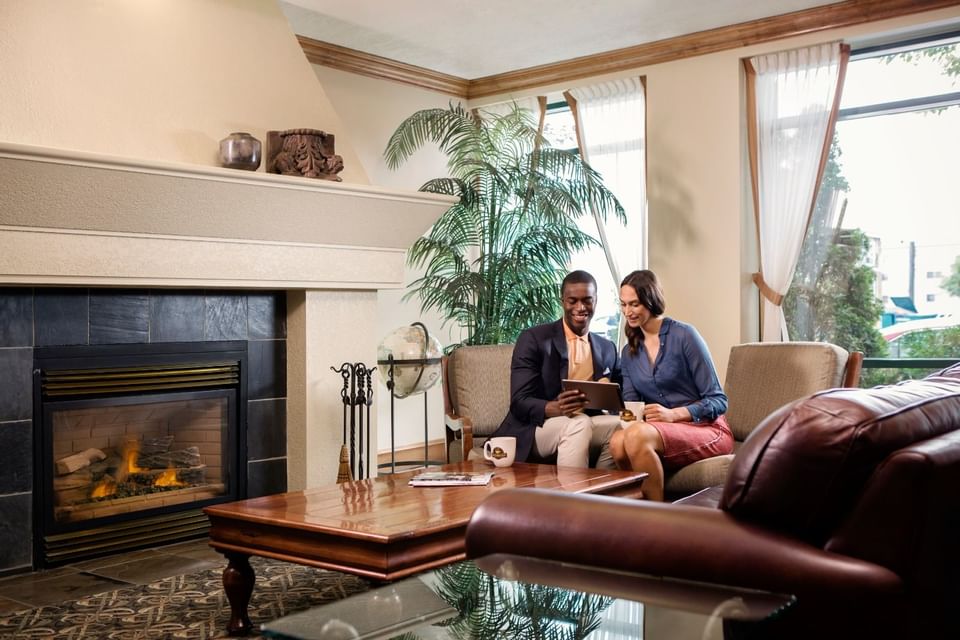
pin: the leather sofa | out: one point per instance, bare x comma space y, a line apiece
848, 499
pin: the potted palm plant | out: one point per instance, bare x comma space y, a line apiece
493, 262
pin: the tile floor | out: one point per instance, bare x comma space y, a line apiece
72, 581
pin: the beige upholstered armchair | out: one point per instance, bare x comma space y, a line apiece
762, 377
476, 396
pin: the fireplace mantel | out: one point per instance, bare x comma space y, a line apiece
77, 218
87, 220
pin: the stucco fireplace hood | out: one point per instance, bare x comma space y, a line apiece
77, 218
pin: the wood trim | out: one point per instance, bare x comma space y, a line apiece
436, 449
840, 14
367, 64
851, 372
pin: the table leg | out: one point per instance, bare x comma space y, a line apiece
238, 579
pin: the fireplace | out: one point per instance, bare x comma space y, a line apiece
133, 440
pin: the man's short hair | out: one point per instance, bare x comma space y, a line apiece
577, 277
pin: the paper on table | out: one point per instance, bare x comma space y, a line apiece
449, 479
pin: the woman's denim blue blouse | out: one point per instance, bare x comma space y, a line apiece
682, 376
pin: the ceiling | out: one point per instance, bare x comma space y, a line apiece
477, 38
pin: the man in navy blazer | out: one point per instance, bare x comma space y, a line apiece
546, 420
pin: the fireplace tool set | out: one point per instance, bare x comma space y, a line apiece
357, 397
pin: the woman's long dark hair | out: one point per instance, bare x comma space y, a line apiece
645, 283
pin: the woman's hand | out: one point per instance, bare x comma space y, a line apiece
659, 413
567, 403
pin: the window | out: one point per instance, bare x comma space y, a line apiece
559, 129
891, 185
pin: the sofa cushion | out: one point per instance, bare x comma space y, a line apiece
807, 463
479, 381
764, 376
708, 472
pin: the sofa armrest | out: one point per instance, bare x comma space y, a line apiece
677, 541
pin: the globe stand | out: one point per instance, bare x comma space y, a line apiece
390, 363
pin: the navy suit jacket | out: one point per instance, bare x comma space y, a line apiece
539, 364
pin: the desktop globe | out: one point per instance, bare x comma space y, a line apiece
409, 346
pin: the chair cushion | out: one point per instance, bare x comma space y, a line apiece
702, 473
479, 381
764, 376
806, 465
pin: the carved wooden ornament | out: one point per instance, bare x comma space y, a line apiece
303, 152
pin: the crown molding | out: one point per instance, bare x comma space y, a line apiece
840, 14
367, 64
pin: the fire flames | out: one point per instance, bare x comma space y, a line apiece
168, 479
130, 453
108, 486
104, 489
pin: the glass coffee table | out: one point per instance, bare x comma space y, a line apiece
503, 596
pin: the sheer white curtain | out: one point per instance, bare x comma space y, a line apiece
793, 97
611, 131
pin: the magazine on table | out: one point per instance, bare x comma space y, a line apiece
450, 479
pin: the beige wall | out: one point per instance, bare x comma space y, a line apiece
155, 79
372, 110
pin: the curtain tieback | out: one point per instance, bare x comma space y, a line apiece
766, 291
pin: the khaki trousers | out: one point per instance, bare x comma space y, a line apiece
577, 441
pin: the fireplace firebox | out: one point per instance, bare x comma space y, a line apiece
132, 441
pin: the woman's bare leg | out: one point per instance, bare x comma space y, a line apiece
618, 451
643, 446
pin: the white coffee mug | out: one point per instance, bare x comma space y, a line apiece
636, 408
500, 451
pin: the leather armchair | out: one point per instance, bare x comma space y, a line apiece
847, 499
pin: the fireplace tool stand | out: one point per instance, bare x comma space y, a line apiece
357, 397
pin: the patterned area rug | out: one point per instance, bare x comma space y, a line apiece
189, 606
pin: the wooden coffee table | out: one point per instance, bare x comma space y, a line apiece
380, 528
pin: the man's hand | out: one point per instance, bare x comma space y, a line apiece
659, 413
567, 403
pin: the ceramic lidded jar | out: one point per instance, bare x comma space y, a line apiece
240, 150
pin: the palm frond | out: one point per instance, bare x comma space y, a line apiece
493, 261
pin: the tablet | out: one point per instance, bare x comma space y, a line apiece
600, 395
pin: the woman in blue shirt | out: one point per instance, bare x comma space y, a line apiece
666, 364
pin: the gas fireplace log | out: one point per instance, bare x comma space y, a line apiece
79, 461
191, 475
68, 497
194, 475
81, 478
189, 457
153, 446
108, 465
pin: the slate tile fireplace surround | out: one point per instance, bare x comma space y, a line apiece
50, 317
